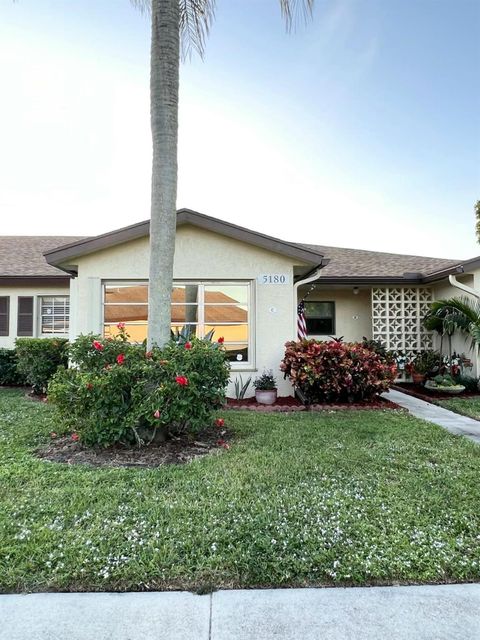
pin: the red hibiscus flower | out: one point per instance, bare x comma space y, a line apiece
98, 345
121, 326
219, 422
188, 345
156, 414
221, 340
75, 437
148, 354
89, 385
120, 358
181, 380
222, 443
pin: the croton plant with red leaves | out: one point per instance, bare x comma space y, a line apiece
336, 371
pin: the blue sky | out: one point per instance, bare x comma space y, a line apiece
360, 129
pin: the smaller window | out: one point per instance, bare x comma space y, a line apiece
54, 315
320, 318
4, 315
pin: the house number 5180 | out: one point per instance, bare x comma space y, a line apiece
273, 278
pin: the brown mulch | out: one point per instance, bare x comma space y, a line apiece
417, 391
178, 450
289, 403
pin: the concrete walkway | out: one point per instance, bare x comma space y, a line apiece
445, 612
453, 422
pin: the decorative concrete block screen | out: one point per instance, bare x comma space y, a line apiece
397, 314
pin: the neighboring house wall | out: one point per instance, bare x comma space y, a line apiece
353, 313
13, 293
200, 256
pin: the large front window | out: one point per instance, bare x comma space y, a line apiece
219, 307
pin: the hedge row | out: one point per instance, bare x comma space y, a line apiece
33, 362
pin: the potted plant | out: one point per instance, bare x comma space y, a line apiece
445, 384
424, 363
266, 388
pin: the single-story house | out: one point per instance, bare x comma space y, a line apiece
244, 285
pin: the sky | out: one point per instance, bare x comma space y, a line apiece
359, 129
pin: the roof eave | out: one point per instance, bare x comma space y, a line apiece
61, 255
43, 280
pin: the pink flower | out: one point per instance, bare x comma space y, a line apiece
181, 380
75, 437
156, 414
120, 358
121, 326
221, 340
219, 422
188, 345
148, 354
98, 345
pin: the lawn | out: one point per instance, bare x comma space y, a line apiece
465, 406
299, 499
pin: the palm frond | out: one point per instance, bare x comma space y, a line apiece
293, 10
458, 307
196, 17
143, 5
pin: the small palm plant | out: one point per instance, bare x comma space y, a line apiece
455, 314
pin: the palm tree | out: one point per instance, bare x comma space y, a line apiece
176, 25
455, 314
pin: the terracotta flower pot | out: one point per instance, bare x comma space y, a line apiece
264, 396
418, 378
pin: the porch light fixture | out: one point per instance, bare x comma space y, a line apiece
355, 291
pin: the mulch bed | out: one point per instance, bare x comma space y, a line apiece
422, 393
289, 403
177, 450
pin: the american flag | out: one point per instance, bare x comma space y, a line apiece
301, 322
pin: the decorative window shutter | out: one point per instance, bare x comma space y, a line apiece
25, 316
4, 315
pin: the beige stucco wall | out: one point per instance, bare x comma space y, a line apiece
353, 313
8, 342
199, 255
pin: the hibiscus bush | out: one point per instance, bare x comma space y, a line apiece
119, 392
336, 371
39, 358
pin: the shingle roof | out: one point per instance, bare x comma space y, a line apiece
23, 255
350, 263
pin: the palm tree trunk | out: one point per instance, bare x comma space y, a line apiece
164, 83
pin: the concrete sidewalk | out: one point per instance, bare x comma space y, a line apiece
444, 612
453, 422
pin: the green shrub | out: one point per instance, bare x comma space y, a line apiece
336, 371
9, 374
118, 392
39, 359
469, 382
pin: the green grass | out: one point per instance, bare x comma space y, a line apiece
465, 406
299, 499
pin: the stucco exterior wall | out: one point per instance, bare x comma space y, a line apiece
353, 313
8, 342
199, 255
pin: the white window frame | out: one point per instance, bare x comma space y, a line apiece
37, 310
251, 313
